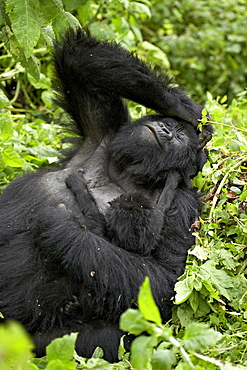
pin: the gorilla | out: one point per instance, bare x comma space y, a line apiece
77, 240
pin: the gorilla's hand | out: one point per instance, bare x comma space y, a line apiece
77, 183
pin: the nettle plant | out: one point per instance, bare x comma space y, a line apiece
214, 285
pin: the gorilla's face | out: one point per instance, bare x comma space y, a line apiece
151, 147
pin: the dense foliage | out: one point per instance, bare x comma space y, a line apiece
205, 43
202, 44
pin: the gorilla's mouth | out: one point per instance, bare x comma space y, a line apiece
154, 133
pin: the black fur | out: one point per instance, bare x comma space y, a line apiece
76, 241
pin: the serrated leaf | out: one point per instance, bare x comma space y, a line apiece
54, 12
222, 365
198, 337
31, 65
219, 278
71, 5
48, 35
163, 360
146, 303
62, 349
183, 289
140, 352
24, 16
51, 9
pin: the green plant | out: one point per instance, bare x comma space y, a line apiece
213, 287
204, 42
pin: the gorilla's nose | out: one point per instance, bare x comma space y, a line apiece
166, 132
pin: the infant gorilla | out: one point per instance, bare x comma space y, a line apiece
132, 221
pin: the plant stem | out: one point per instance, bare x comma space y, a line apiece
184, 354
222, 183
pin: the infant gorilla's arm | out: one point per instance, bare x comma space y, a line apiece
133, 221
77, 183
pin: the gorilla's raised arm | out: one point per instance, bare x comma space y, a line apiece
95, 74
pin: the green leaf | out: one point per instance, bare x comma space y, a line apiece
56, 365
31, 65
184, 289
198, 337
15, 347
133, 321
235, 189
243, 196
163, 360
219, 278
135, 7
54, 12
234, 145
146, 303
4, 101
98, 353
207, 169
71, 5
62, 349
6, 126
24, 16
97, 364
140, 352
194, 300
39, 362
223, 99
43, 83
12, 158
49, 35
51, 9
243, 105
136, 31
156, 53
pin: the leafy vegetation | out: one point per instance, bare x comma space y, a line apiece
202, 44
